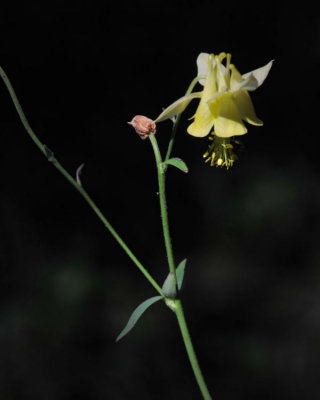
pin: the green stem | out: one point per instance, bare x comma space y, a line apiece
190, 350
177, 120
177, 302
108, 226
163, 203
50, 156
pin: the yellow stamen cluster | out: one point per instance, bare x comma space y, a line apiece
220, 152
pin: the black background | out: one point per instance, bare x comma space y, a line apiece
251, 234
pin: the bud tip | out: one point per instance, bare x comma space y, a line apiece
143, 126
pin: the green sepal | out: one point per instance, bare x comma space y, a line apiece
136, 315
180, 273
169, 286
178, 163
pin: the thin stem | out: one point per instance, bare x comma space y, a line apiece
177, 302
20, 111
108, 226
50, 156
177, 120
190, 350
163, 203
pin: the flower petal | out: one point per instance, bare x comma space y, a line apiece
202, 64
222, 84
245, 107
227, 118
216, 95
203, 121
260, 74
237, 82
236, 78
250, 83
177, 107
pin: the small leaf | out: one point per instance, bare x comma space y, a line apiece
180, 273
169, 287
178, 163
78, 173
49, 153
136, 315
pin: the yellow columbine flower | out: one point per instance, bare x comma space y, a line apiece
224, 105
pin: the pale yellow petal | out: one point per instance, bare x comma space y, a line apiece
226, 116
238, 82
202, 64
203, 121
236, 78
222, 85
177, 107
245, 106
227, 70
250, 83
260, 74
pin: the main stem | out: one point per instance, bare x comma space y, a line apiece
178, 306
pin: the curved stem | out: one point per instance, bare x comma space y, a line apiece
50, 156
177, 302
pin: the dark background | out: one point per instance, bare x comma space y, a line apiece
251, 234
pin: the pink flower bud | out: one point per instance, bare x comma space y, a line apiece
143, 126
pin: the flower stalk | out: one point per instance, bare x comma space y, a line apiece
177, 302
163, 204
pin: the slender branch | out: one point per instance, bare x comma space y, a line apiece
50, 156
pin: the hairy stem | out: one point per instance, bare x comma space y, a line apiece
163, 203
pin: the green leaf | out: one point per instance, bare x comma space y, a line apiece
180, 273
178, 163
169, 286
136, 315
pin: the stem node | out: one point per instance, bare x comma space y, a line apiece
49, 154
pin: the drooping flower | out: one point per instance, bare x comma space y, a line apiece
224, 104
